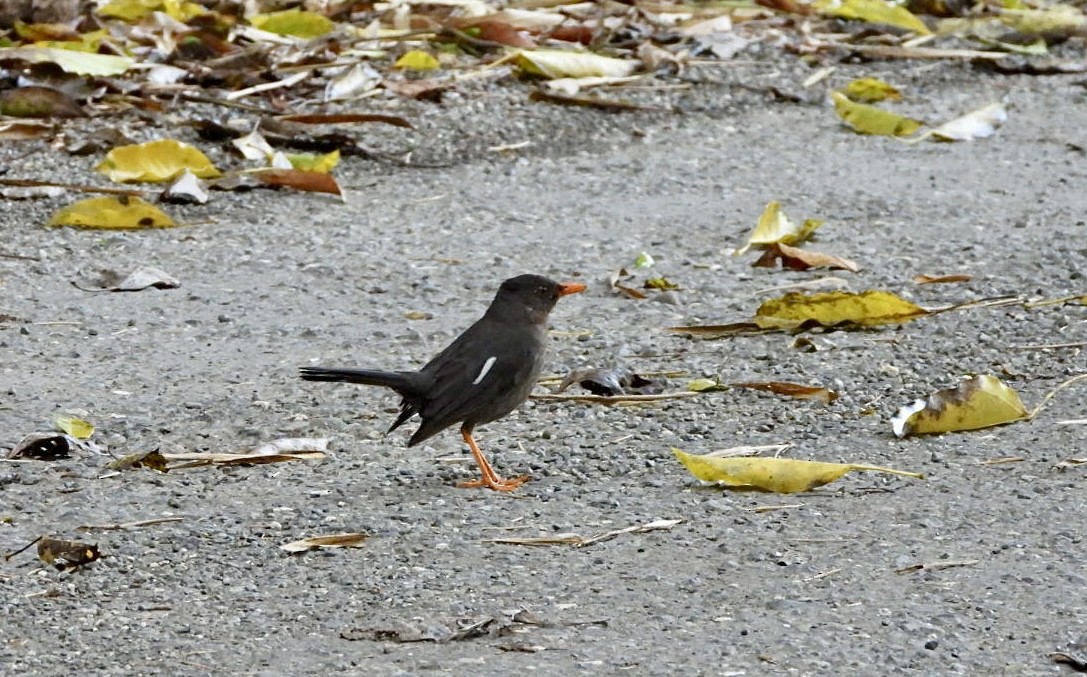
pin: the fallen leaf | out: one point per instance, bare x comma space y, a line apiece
417, 60
979, 402
583, 101
977, 124
775, 227
618, 281
141, 459
142, 278
706, 385
797, 390
71, 61
353, 540
865, 119
552, 63
779, 475
74, 426
795, 258
42, 447
716, 331
871, 90
112, 213
298, 179
610, 382
346, 118
39, 102
941, 279
294, 22
66, 555
873, 11
24, 130
323, 163
796, 310
155, 162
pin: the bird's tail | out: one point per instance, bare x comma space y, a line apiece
399, 381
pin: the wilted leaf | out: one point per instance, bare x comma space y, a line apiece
141, 459
39, 102
831, 309
138, 280
345, 118
294, 22
865, 119
322, 542
979, 402
76, 427
795, 258
561, 64
715, 331
774, 226
135, 10
706, 385
156, 161
619, 279
24, 130
873, 11
110, 213
975, 125
871, 90
71, 61
610, 382
643, 260
42, 447
1058, 20
417, 60
939, 279
779, 475
66, 555
298, 179
797, 390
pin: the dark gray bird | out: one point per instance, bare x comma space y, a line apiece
484, 374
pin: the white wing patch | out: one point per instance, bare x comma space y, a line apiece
485, 370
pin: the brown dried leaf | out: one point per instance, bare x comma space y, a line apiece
345, 118
66, 555
42, 447
352, 540
39, 102
298, 179
941, 279
797, 390
795, 258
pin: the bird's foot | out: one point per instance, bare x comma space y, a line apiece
496, 483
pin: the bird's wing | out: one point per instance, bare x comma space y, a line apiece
479, 377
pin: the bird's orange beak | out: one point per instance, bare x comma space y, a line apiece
567, 288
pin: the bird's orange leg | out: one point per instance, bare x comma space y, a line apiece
490, 478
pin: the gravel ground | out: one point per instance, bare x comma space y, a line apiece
277, 280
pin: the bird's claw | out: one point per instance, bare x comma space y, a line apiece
496, 483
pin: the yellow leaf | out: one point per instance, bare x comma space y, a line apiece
873, 11
774, 227
779, 475
417, 60
315, 163
136, 10
829, 309
112, 213
554, 63
156, 161
980, 402
1059, 20
70, 61
75, 427
871, 90
295, 22
865, 119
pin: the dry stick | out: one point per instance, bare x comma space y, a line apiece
20, 257
893, 52
128, 525
1075, 379
1051, 346
1054, 302
32, 183
13, 554
616, 399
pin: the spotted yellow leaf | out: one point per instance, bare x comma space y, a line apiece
979, 402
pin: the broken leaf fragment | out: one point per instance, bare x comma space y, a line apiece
779, 475
112, 213
865, 119
979, 402
796, 310
417, 60
775, 227
353, 540
74, 426
155, 162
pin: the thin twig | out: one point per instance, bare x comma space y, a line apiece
128, 525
